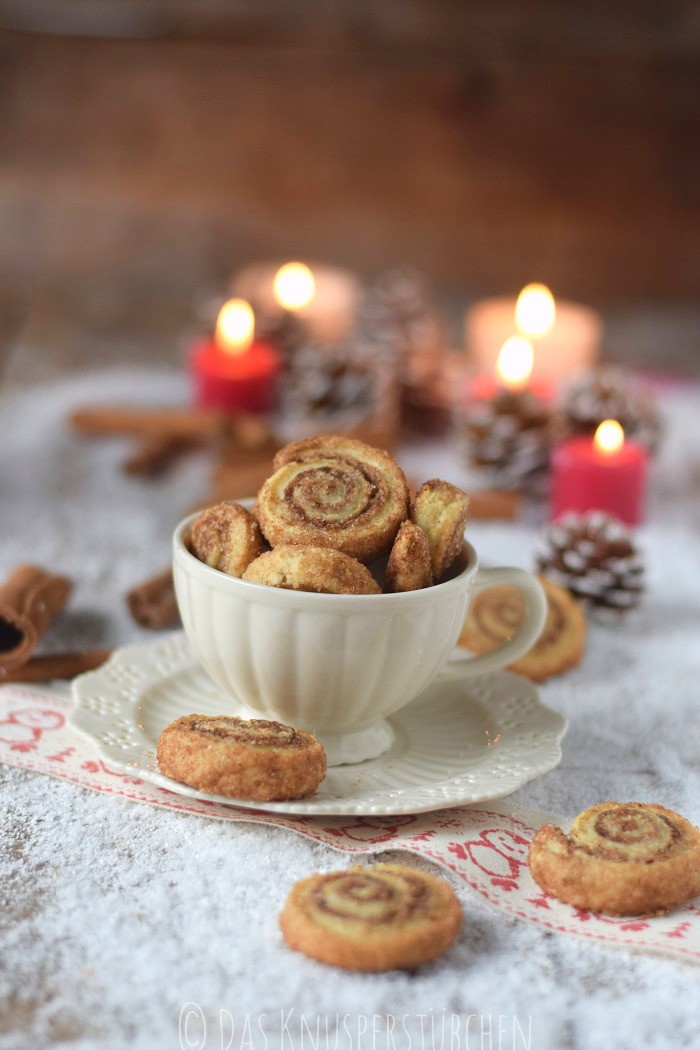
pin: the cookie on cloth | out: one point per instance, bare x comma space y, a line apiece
440, 510
319, 569
226, 537
495, 614
379, 917
408, 568
252, 759
620, 858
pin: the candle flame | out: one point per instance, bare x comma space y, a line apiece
235, 326
294, 286
609, 437
535, 310
515, 361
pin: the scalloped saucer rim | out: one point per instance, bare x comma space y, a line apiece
458, 743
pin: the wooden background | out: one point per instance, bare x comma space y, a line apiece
157, 145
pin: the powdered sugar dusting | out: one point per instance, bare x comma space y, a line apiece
115, 914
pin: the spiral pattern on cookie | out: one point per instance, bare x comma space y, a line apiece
625, 832
334, 492
620, 858
361, 896
440, 510
258, 732
227, 537
255, 758
496, 613
379, 917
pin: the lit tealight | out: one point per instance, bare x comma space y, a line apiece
235, 326
609, 437
535, 310
515, 361
294, 286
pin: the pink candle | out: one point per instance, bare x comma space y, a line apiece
605, 472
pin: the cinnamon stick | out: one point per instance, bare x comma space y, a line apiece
253, 433
152, 603
104, 420
494, 505
55, 665
29, 600
154, 455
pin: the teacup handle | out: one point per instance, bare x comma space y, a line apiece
523, 639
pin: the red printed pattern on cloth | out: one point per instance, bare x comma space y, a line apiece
485, 847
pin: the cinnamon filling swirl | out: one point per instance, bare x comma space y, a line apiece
255, 732
337, 493
332, 494
625, 832
370, 898
495, 615
620, 858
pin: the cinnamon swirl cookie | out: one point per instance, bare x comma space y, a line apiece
495, 615
256, 759
620, 858
227, 537
319, 569
440, 510
379, 917
409, 567
334, 492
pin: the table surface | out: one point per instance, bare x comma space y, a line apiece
114, 915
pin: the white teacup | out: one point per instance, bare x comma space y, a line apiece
338, 665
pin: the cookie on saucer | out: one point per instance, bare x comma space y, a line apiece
252, 759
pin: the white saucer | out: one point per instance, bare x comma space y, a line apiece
459, 742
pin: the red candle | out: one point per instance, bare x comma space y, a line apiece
605, 472
233, 372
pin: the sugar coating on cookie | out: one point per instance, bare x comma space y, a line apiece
620, 858
409, 566
496, 614
441, 509
252, 759
334, 492
379, 917
319, 569
226, 537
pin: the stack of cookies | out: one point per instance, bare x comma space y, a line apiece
333, 506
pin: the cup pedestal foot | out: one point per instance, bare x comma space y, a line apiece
347, 748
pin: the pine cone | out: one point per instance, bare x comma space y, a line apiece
323, 381
285, 331
400, 321
594, 556
509, 436
610, 393
397, 312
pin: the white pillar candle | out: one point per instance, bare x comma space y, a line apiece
324, 297
566, 336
